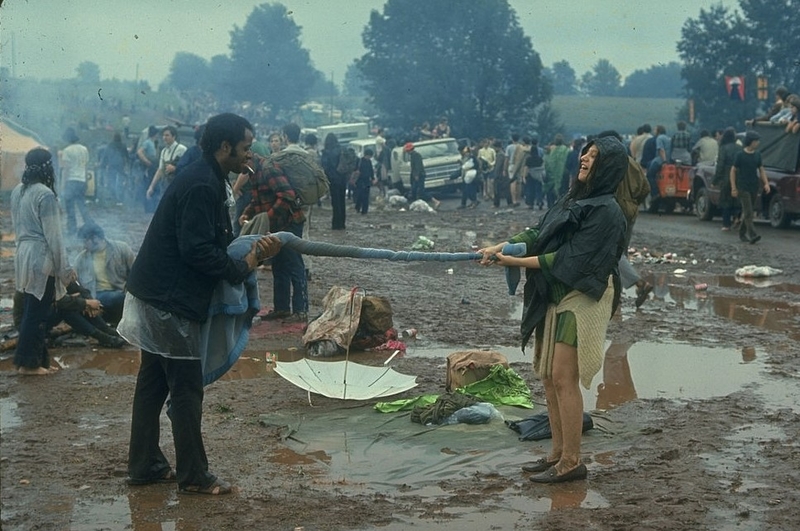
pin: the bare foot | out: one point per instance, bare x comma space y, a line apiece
38, 371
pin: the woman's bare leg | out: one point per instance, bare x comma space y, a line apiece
570, 405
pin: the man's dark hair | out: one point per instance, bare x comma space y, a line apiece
515, 137
610, 132
368, 152
90, 230
172, 129
311, 139
226, 127
292, 132
646, 128
681, 126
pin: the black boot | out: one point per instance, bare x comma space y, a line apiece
108, 341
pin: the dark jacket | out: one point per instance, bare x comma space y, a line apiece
330, 161
586, 230
184, 252
725, 159
417, 167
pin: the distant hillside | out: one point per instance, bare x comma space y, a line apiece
582, 115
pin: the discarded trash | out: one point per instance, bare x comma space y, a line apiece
324, 349
757, 271
410, 333
680, 271
390, 358
422, 244
701, 287
480, 413
269, 357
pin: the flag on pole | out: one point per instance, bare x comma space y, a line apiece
734, 85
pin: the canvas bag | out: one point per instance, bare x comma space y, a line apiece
304, 174
469, 366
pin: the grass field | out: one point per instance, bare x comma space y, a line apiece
582, 115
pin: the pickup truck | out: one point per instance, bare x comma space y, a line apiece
441, 159
780, 152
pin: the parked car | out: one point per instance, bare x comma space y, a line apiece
780, 154
674, 189
441, 159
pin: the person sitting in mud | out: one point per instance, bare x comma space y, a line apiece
103, 268
571, 292
80, 311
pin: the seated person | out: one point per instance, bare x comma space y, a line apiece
793, 122
103, 268
781, 93
81, 313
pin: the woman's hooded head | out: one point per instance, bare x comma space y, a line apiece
607, 172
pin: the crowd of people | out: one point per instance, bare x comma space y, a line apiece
160, 297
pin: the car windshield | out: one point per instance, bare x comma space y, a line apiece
439, 149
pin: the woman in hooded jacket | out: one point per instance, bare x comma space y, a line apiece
571, 291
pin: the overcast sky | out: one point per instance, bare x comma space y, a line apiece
50, 38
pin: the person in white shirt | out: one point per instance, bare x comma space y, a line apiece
173, 150
72, 161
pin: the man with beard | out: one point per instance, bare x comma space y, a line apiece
182, 259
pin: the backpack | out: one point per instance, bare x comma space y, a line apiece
304, 174
348, 161
535, 159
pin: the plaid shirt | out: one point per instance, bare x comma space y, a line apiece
272, 193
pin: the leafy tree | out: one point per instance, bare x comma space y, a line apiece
189, 72
323, 87
271, 65
354, 81
469, 61
221, 79
775, 26
562, 76
548, 123
602, 80
658, 81
88, 72
714, 45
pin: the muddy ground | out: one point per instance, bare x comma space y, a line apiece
666, 460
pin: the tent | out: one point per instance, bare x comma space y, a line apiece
15, 142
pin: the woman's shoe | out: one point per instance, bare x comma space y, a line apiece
551, 475
540, 465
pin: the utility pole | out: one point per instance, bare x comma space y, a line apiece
330, 121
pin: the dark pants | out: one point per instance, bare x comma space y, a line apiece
31, 350
289, 277
746, 230
75, 195
362, 198
113, 302
469, 193
338, 205
418, 190
533, 192
182, 380
652, 176
502, 189
79, 322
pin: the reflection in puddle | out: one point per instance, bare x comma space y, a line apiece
9, 417
767, 314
